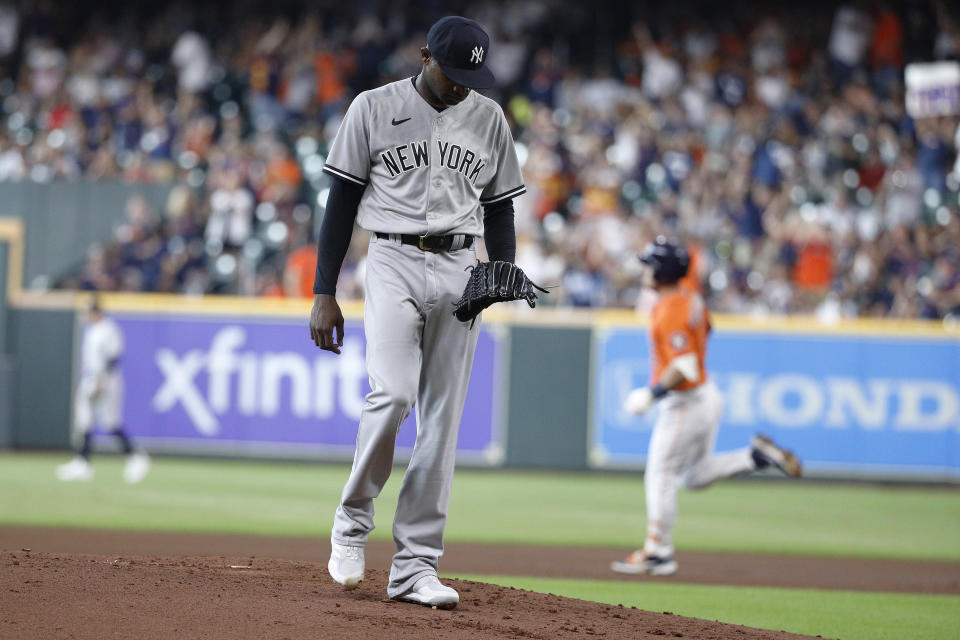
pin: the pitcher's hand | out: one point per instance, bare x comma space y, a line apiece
325, 317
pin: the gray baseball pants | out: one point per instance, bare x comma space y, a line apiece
417, 353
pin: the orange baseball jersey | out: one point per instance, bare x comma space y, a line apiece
680, 325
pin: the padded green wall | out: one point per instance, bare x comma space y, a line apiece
41, 344
62, 219
548, 410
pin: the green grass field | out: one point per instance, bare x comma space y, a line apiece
295, 499
838, 614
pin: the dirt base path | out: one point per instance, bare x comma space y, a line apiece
561, 562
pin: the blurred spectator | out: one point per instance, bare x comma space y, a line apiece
231, 212
191, 56
299, 271
849, 40
9, 29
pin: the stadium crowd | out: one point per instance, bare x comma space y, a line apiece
774, 141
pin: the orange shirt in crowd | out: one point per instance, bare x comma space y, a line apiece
259, 74
813, 270
330, 87
680, 325
283, 171
300, 271
691, 281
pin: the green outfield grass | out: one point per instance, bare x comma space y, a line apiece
850, 615
296, 499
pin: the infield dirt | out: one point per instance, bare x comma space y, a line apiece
58, 583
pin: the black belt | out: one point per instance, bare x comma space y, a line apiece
453, 242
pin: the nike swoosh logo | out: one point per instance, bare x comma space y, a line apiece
395, 122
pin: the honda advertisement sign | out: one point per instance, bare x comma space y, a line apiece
843, 403
261, 387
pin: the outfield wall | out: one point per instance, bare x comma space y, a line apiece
240, 377
881, 404
221, 377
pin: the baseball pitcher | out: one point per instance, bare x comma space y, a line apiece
425, 164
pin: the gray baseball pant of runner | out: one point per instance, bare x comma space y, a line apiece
417, 352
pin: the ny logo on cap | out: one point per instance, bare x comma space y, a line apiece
477, 55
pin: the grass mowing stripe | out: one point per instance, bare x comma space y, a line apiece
774, 517
577, 509
178, 495
850, 615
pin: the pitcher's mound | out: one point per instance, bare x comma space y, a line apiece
46, 595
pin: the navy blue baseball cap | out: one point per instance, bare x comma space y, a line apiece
460, 46
670, 261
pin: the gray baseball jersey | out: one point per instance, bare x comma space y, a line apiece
426, 172
100, 391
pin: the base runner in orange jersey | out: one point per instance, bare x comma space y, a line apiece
681, 447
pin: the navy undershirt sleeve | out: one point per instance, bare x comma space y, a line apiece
499, 234
335, 232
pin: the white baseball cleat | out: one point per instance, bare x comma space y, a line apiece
77, 470
346, 565
429, 592
136, 468
639, 563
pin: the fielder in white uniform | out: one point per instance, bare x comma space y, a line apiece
99, 399
681, 447
426, 165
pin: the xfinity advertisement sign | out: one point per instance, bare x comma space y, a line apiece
253, 383
842, 403
236, 386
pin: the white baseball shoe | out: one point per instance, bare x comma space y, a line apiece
639, 562
136, 468
429, 592
77, 470
766, 453
346, 565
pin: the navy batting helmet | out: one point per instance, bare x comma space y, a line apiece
668, 260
